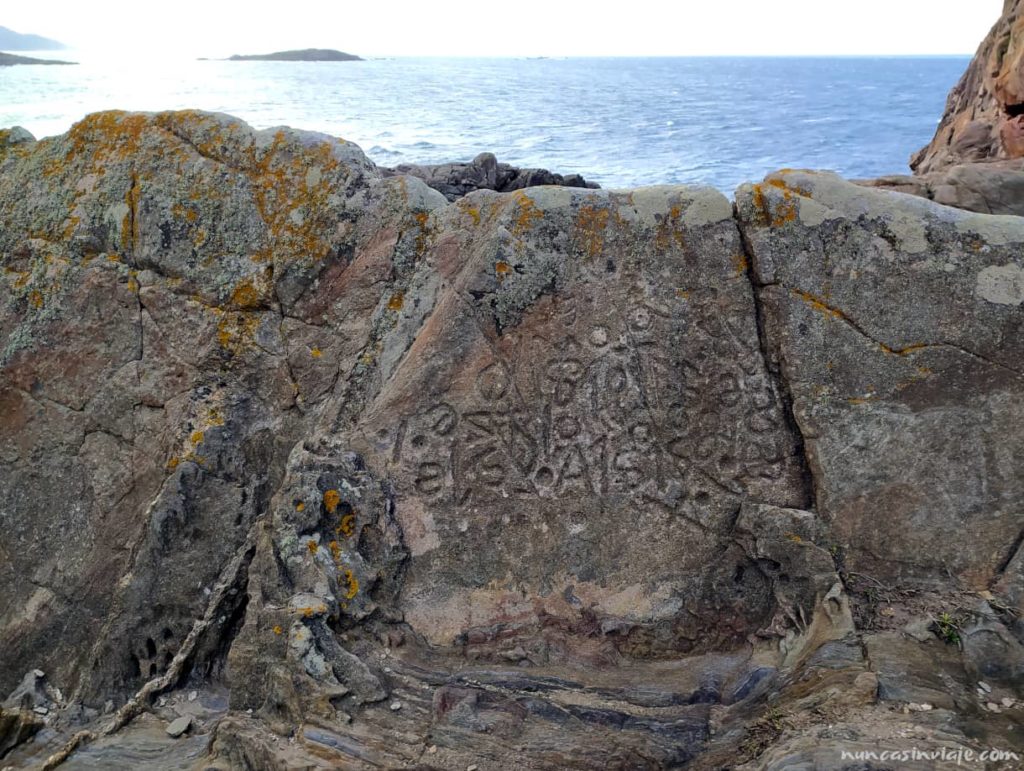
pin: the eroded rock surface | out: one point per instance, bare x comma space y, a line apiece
351, 476
484, 172
984, 118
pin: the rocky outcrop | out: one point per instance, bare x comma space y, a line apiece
455, 180
976, 160
8, 60
984, 118
303, 55
551, 478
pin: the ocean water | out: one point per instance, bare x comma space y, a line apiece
619, 122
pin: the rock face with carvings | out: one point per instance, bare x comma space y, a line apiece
353, 476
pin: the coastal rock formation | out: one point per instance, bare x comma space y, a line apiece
303, 55
976, 160
8, 60
353, 476
455, 180
984, 118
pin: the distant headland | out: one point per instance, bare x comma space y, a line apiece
305, 55
6, 60
16, 41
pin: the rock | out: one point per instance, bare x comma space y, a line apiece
888, 318
16, 727
984, 687
303, 55
593, 476
179, 726
7, 60
455, 180
996, 187
30, 693
984, 117
993, 707
182, 403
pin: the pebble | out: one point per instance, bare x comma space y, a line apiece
41, 710
395, 706
1007, 702
993, 707
471, 768
179, 726
985, 687
38, 673
432, 749
192, 695
919, 707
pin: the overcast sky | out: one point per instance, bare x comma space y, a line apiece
216, 28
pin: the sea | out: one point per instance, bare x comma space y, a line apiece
621, 122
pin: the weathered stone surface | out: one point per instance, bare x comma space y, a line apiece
896, 325
589, 381
577, 478
996, 187
156, 259
484, 172
984, 118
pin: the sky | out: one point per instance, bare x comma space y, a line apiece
216, 28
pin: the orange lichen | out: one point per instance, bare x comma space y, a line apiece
196, 437
246, 296
794, 538
426, 232
528, 213
818, 305
307, 612
300, 506
313, 546
278, 630
351, 581
591, 223
335, 550
316, 353
784, 211
397, 301
740, 263
331, 500
347, 526
670, 229
35, 298
471, 211
236, 332
502, 269
173, 464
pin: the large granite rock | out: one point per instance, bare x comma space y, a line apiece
555, 478
896, 326
984, 118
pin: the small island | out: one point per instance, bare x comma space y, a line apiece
305, 55
6, 60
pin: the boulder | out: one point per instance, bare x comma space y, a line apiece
455, 180
895, 324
